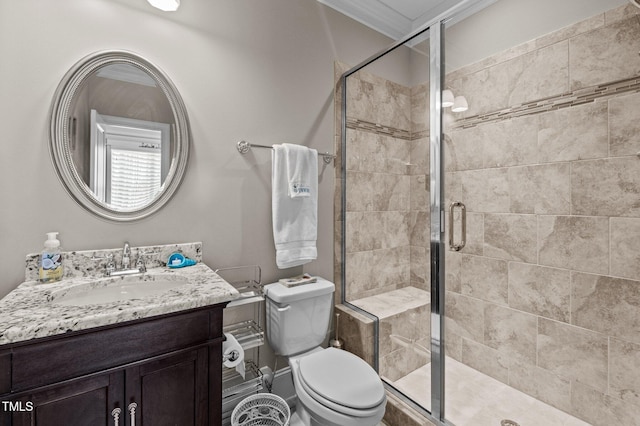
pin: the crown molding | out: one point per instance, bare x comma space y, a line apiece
373, 14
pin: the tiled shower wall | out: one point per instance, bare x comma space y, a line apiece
386, 187
546, 294
387, 202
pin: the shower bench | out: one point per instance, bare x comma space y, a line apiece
404, 316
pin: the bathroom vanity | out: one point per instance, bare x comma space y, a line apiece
159, 371
154, 360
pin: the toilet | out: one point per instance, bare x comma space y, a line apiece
334, 387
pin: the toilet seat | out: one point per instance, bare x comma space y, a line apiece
342, 382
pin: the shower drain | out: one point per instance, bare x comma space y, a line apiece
508, 423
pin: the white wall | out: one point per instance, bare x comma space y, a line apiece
255, 70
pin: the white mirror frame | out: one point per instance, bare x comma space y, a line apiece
60, 141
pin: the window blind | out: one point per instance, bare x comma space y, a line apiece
135, 178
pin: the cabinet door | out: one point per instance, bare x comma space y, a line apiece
171, 391
79, 403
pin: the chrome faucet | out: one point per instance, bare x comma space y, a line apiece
126, 255
125, 268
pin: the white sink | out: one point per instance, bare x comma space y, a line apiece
109, 290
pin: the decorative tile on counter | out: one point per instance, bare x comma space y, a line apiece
30, 311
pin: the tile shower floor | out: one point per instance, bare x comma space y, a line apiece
475, 399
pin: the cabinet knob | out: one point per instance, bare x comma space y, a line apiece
116, 416
132, 411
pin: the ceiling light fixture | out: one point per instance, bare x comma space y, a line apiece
165, 5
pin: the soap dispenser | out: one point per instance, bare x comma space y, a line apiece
51, 260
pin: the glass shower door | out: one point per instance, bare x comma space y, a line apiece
542, 301
386, 212
514, 212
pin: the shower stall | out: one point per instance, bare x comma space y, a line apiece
489, 251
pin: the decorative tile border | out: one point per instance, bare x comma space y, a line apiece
577, 97
366, 126
420, 135
582, 96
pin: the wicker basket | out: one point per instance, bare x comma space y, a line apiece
263, 409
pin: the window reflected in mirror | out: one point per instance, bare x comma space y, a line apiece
129, 160
122, 136
119, 135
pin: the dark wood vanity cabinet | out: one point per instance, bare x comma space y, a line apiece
171, 391
155, 372
79, 403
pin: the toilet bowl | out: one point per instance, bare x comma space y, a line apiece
336, 388
333, 387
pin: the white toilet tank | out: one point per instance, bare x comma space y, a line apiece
298, 317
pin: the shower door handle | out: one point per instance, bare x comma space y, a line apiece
463, 222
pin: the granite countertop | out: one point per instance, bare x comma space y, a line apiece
30, 311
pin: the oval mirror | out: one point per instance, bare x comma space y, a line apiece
119, 135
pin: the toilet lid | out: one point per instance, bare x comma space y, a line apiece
342, 378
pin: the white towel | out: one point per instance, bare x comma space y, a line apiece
294, 186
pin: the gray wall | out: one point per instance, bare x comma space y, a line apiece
508, 23
255, 70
